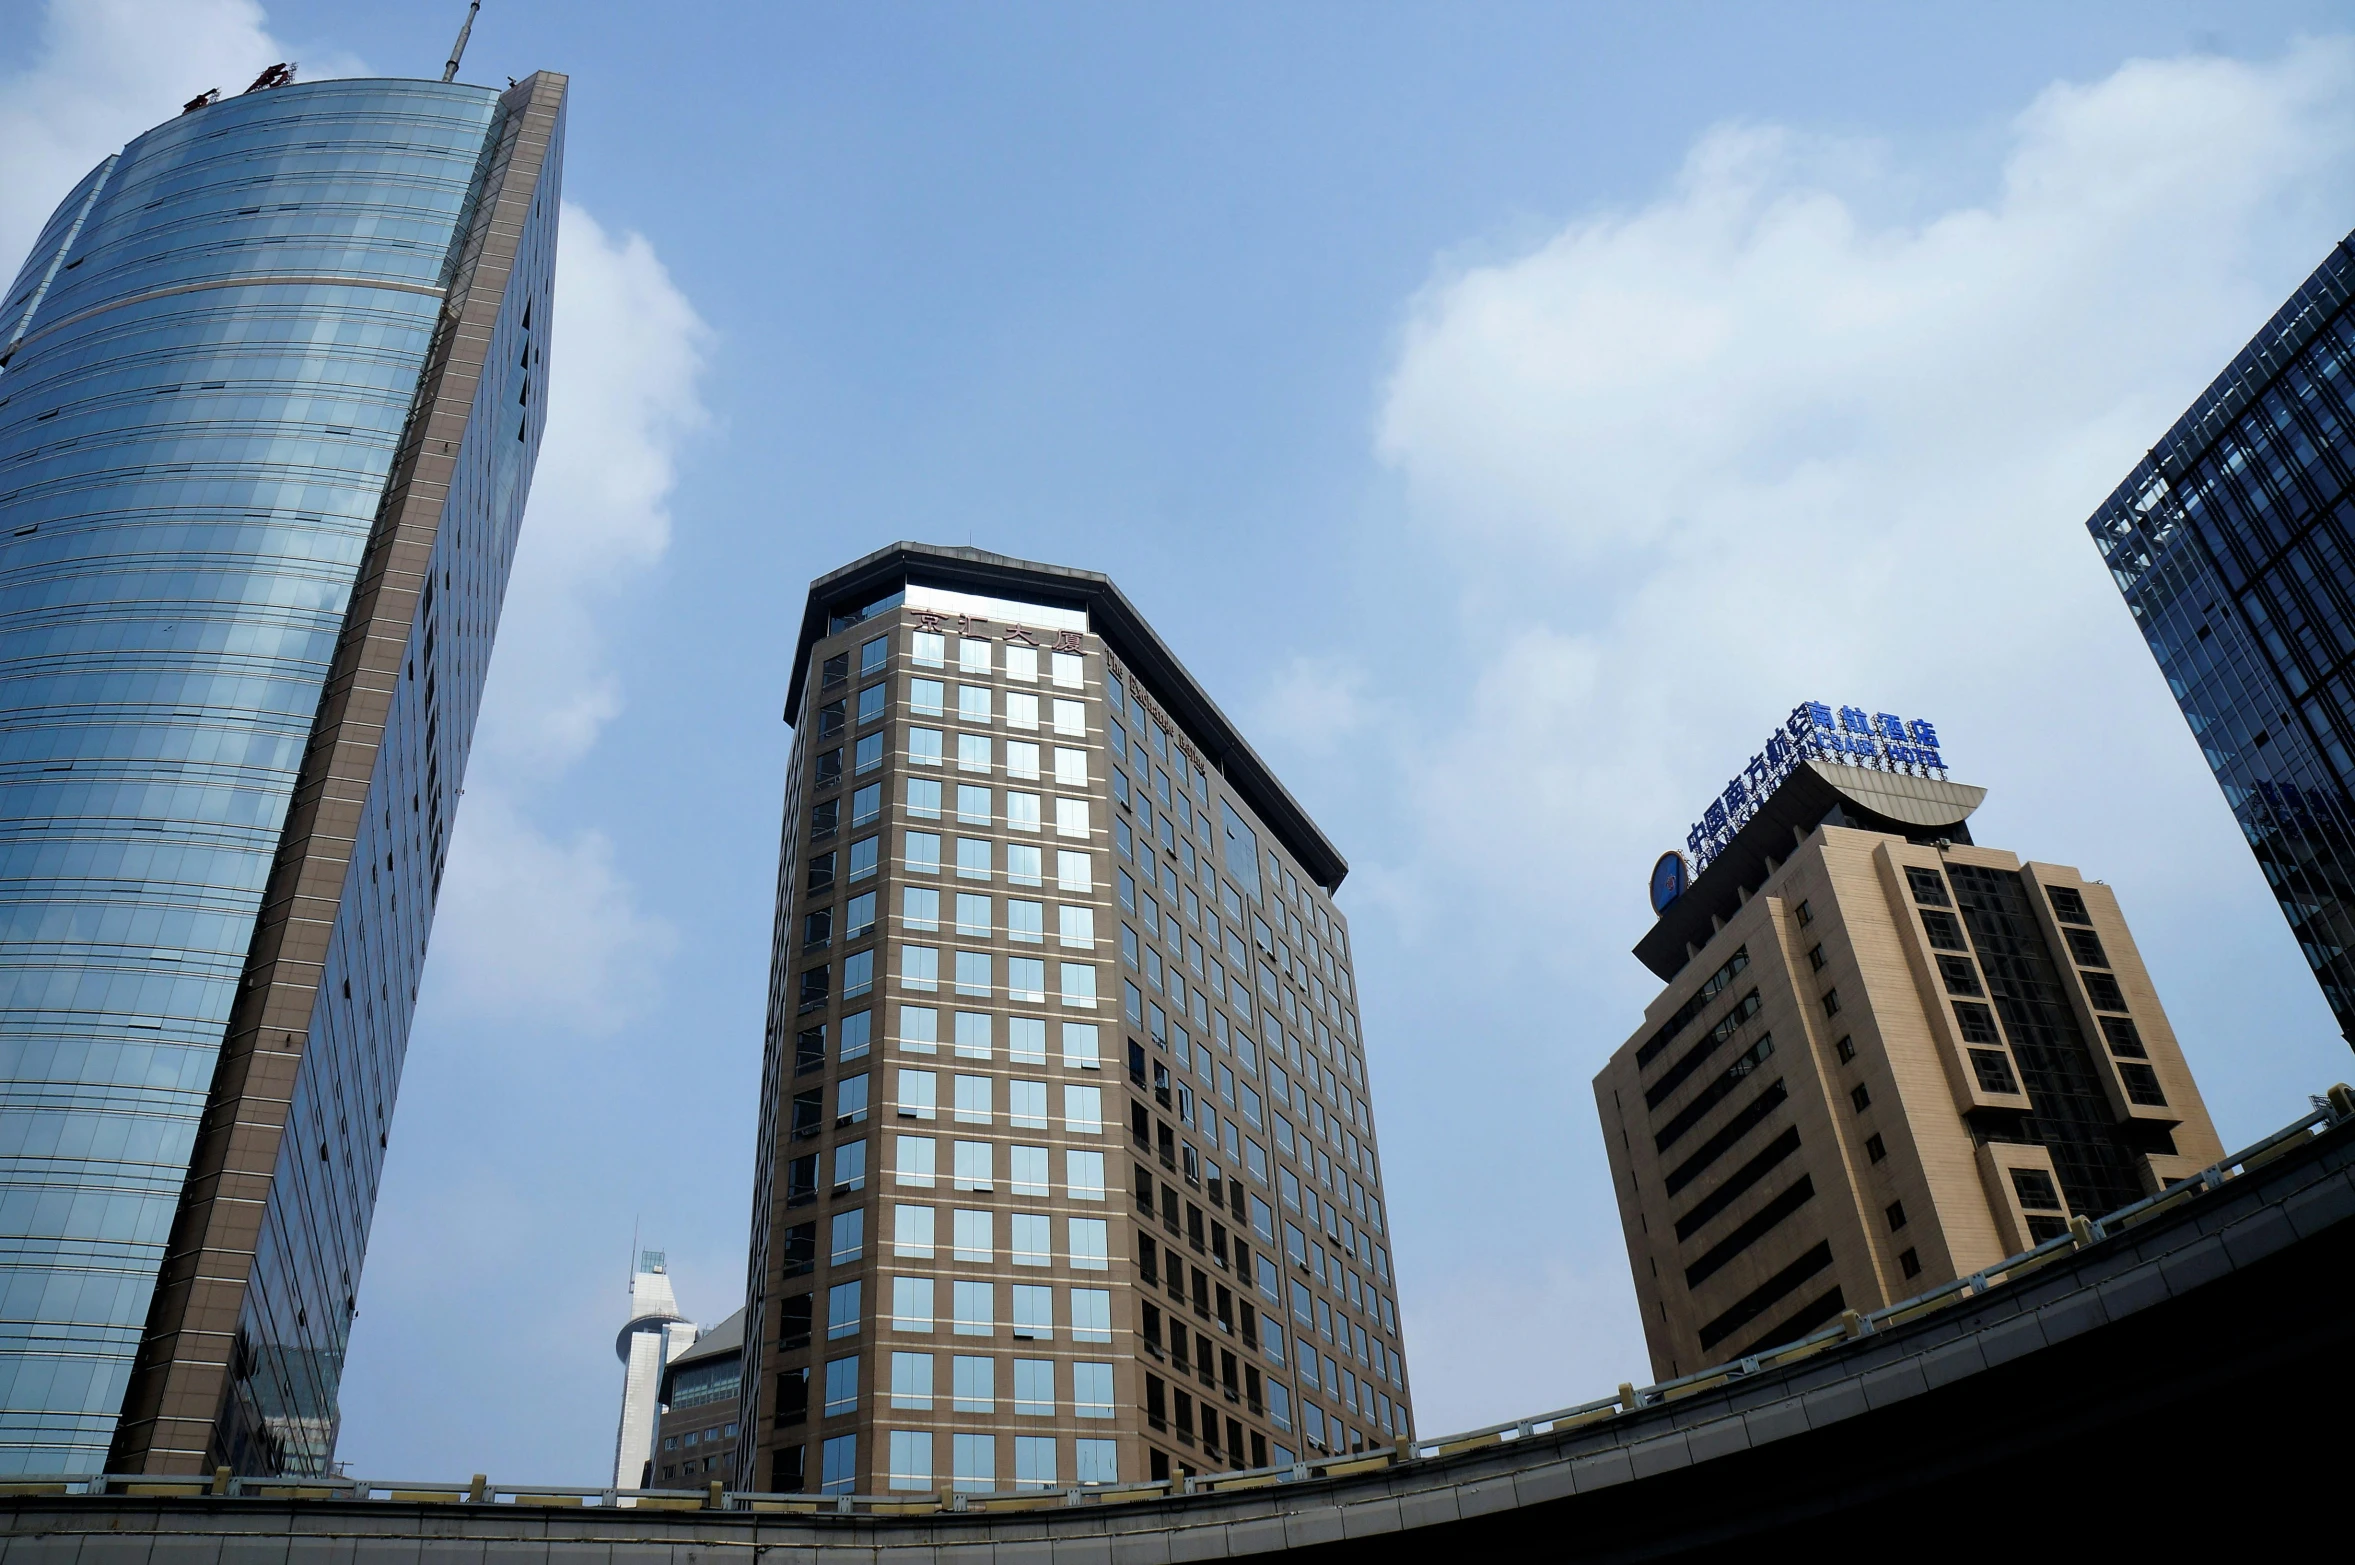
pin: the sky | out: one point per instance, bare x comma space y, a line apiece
1507, 412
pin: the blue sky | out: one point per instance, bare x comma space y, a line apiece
1508, 412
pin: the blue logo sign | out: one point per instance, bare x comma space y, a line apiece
1669, 878
1882, 741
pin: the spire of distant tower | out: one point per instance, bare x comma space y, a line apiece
458, 49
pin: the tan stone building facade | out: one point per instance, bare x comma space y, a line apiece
1067, 1170
1885, 1058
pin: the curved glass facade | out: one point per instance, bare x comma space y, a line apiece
213, 356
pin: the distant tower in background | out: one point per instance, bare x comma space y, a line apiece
655, 1335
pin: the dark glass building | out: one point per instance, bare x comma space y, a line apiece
2233, 542
270, 395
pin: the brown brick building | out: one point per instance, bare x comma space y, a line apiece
1885, 1058
1067, 1168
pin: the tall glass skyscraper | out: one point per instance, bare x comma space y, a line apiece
2234, 544
270, 394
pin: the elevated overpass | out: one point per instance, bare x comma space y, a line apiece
2173, 1371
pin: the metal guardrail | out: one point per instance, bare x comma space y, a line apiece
2337, 1108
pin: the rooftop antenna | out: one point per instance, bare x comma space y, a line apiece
458, 49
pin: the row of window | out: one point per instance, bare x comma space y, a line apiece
915, 1162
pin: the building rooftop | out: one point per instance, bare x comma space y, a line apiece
858, 585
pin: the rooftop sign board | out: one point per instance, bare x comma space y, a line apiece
1852, 736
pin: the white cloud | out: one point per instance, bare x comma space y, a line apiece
109, 69
1313, 703
1772, 437
531, 928
622, 398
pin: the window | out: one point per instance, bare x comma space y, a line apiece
2142, 1085
1929, 887
871, 655
1087, 1235
2124, 1041
973, 805
1091, 1315
1846, 1049
1993, 1070
1071, 718
911, 1381
2035, 1189
922, 851
1031, 1239
1034, 1312
842, 1385
927, 697
923, 746
911, 1232
974, 1461
973, 1307
973, 752
857, 1031
973, 1035
2068, 904
973, 973
1080, 1045
870, 705
1091, 1389
912, 1160
1874, 1148
1895, 1213
858, 974
1075, 926
850, 1236
1074, 871
867, 754
1943, 931
972, 1239
972, 655
972, 1165
1022, 864
1022, 663
1071, 818
2102, 990
1831, 1002
973, 1107
1034, 1388
973, 1380
1026, 1040
1034, 1461
1026, 921
973, 703
850, 1164
1029, 1170
1096, 1461
1083, 1175
1861, 1098
858, 917
1078, 985
1977, 1022
1021, 709
1962, 977
842, 1310
1022, 759
1910, 1264
1815, 958
973, 858
928, 648
911, 1303
866, 804
918, 1094
839, 1466
919, 1029
1083, 1109
1071, 767
1026, 978
911, 1459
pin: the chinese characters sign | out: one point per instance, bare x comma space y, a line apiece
1851, 736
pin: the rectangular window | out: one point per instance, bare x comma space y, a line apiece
1076, 927
1026, 979
973, 1308
1074, 871
912, 1160
2068, 905
927, 697
871, 655
918, 1094
974, 1384
973, 752
842, 1310
1034, 1388
850, 1165
973, 858
2102, 990
911, 1303
870, 705
973, 1035
866, 804
973, 703
858, 974
1071, 818
911, 1459
850, 1236
1022, 663
911, 1232
1026, 1105
1022, 811
1083, 1110
1029, 1170
928, 648
1022, 759
866, 755
973, 1107
1023, 864
1083, 1174
911, 1381
972, 1165
919, 1029
1087, 1237
921, 849
842, 1386
923, 746
1860, 1098
1021, 709
1929, 887
974, 1461
1091, 1315
839, 1466
972, 655
858, 916
1077, 982
1034, 1312
1031, 1240
2124, 1041
1977, 1022
1026, 1040
1080, 1045
973, 973
1961, 976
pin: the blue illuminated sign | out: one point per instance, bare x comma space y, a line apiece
1882, 741
1670, 876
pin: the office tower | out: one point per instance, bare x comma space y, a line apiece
1886, 1056
655, 1335
1067, 1167
696, 1437
272, 393
2233, 542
